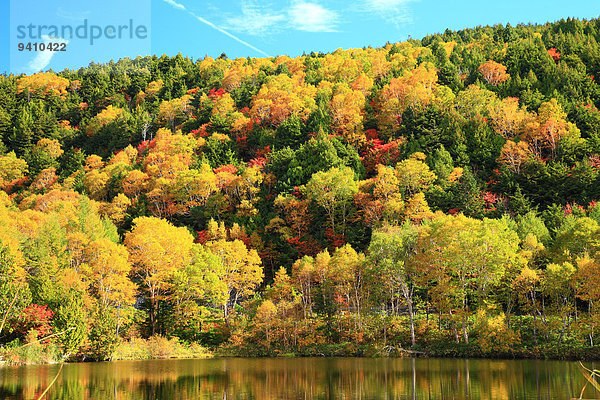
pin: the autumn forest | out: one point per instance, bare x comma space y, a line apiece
435, 196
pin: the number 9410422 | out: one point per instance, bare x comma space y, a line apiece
43, 46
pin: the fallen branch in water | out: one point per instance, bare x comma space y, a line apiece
590, 379
51, 383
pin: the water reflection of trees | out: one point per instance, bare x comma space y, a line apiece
303, 378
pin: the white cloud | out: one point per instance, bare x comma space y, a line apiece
215, 27
175, 4
71, 15
256, 19
312, 17
394, 11
42, 58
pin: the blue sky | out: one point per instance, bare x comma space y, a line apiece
253, 28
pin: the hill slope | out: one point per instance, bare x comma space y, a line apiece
188, 184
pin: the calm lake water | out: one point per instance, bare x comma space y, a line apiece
300, 378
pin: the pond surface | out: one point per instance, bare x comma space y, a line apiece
300, 378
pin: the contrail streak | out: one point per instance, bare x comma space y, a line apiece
215, 27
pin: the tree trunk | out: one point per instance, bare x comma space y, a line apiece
412, 321
464, 328
454, 327
153, 315
464, 321
407, 293
534, 328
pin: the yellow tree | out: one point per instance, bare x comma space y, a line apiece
414, 175
243, 189
475, 101
13, 284
494, 73
380, 198
223, 105
340, 66
347, 269
548, 128
154, 87
156, 250
135, 183
192, 188
363, 84
303, 278
202, 279
466, 257
42, 83
386, 183
93, 162
508, 118
527, 285
415, 87
553, 124
127, 156
346, 106
116, 209
588, 279
232, 77
49, 146
103, 118
391, 254
416, 208
277, 314
46, 178
282, 96
107, 270
171, 153
95, 182
588, 289
332, 190
265, 318
11, 169
513, 155
170, 110
242, 271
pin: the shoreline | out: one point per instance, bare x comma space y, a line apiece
366, 352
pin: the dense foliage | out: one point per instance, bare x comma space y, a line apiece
439, 194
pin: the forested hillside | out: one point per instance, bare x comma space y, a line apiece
436, 194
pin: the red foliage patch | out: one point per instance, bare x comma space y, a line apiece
264, 152
555, 54
296, 193
371, 134
226, 168
378, 152
35, 317
201, 132
242, 142
336, 240
202, 237
145, 145
216, 93
259, 162
574, 207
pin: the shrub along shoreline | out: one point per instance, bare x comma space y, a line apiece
140, 349
397, 345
